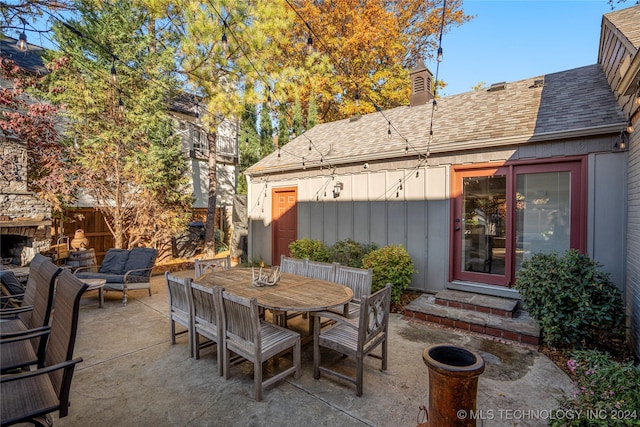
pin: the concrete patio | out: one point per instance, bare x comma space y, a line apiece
132, 376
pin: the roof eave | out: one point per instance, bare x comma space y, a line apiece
609, 129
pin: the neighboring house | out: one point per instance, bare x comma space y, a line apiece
25, 220
187, 114
195, 148
475, 186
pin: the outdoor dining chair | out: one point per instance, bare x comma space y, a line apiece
356, 338
12, 290
203, 266
322, 270
207, 320
256, 341
180, 307
33, 316
359, 280
294, 266
32, 395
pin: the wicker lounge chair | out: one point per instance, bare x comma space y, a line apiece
31, 396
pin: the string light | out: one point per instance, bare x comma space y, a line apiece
114, 77
389, 131
22, 39
439, 56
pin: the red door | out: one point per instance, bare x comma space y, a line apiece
284, 221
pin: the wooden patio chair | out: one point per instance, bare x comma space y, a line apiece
207, 320
180, 307
293, 265
256, 340
360, 281
203, 266
32, 395
355, 338
32, 317
322, 270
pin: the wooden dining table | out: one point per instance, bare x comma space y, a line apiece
291, 293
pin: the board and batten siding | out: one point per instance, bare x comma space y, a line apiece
368, 210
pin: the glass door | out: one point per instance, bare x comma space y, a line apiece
481, 226
502, 216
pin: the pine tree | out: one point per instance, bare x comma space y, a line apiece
115, 90
266, 131
249, 144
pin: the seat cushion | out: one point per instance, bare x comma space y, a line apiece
10, 281
140, 258
114, 261
110, 278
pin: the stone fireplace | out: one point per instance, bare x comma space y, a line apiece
25, 220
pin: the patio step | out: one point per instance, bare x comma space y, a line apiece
505, 307
476, 313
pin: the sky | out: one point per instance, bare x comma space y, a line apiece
511, 40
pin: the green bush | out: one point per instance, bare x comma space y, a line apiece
350, 253
571, 299
314, 250
390, 264
606, 392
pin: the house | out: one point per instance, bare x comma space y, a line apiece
474, 186
194, 146
25, 220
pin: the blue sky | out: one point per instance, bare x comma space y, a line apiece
512, 40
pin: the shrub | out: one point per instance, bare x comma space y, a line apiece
606, 392
314, 250
390, 264
350, 253
569, 297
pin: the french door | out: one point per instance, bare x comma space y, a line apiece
503, 215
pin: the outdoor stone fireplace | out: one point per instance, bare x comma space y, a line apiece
25, 220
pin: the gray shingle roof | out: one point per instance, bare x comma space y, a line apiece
30, 60
576, 102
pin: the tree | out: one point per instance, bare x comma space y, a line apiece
283, 126
226, 75
32, 122
365, 49
114, 95
249, 144
296, 124
266, 131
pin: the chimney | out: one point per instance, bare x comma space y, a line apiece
421, 85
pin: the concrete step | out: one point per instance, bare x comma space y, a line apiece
505, 307
521, 328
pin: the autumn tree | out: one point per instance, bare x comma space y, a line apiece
29, 121
114, 94
363, 49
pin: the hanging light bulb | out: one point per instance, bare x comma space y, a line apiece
439, 56
435, 105
357, 97
278, 153
630, 128
22, 39
120, 105
22, 42
224, 41
400, 188
114, 77
303, 166
309, 45
389, 131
